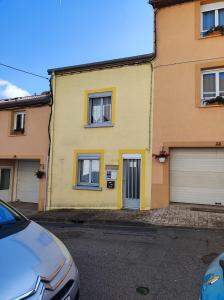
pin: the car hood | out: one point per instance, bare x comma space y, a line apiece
213, 291
26, 255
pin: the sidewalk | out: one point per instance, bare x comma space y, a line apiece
183, 215
177, 215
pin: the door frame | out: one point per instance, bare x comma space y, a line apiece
11, 180
137, 153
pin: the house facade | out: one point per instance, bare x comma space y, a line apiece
188, 102
101, 135
24, 148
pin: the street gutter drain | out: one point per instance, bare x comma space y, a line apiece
142, 290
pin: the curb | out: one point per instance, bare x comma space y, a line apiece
120, 223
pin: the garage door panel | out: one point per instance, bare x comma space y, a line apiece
198, 164
197, 175
200, 179
197, 195
198, 152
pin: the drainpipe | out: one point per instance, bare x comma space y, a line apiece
152, 79
50, 153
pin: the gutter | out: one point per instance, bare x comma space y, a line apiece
167, 3
24, 103
139, 59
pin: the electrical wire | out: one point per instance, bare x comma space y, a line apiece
187, 61
23, 71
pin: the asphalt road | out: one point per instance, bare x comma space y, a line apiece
113, 261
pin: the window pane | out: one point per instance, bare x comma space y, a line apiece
95, 175
221, 83
208, 20
5, 179
84, 167
18, 122
209, 85
106, 109
95, 109
221, 17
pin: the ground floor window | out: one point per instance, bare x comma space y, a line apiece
88, 170
4, 179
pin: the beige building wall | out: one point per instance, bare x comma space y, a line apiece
179, 119
130, 134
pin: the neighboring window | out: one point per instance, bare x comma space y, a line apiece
4, 179
212, 16
100, 108
88, 171
19, 122
212, 86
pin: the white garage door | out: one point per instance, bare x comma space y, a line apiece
197, 176
27, 182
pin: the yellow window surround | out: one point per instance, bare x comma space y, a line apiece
142, 179
75, 160
94, 91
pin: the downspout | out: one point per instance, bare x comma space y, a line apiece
151, 82
51, 139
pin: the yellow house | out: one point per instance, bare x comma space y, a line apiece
101, 135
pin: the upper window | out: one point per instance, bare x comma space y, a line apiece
19, 122
213, 87
212, 18
100, 109
88, 170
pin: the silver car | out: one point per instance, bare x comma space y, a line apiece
34, 264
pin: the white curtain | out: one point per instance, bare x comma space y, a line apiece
106, 109
209, 85
96, 110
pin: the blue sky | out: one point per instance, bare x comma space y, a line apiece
41, 34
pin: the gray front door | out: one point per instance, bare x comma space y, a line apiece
131, 183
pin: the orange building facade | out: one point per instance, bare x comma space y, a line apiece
24, 149
188, 114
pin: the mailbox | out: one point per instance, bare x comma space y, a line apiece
110, 184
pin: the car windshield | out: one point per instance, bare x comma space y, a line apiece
8, 215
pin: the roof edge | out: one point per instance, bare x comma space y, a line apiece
157, 4
14, 103
138, 59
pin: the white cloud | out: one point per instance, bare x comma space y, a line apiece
9, 90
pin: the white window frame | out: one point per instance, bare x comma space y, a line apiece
217, 90
100, 96
211, 7
16, 114
89, 157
